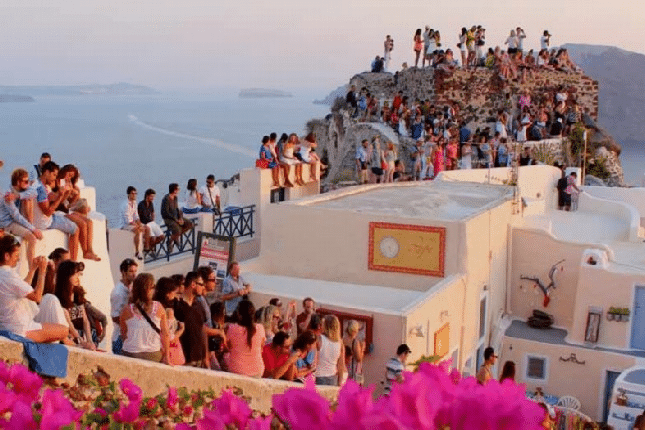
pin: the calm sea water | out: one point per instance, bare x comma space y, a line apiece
145, 141
150, 141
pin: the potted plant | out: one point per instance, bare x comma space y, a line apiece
624, 314
611, 313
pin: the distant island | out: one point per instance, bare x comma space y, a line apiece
15, 98
121, 88
257, 93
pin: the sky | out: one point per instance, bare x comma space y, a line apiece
198, 45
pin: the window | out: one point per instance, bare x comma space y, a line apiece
482, 318
536, 368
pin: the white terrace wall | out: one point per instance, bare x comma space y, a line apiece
604, 286
632, 196
625, 213
307, 241
533, 253
585, 381
536, 183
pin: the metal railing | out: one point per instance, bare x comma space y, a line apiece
236, 222
187, 243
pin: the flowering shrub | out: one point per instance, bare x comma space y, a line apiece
429, 399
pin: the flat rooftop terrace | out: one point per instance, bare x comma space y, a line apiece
580, 227
425, 200
367, 297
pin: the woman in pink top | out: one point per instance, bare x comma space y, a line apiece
451, 155
438, 158
245, 340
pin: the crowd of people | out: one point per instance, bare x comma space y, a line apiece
441, 139
290, 151
189, 320
140, 219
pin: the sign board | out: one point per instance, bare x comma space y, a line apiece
407, 248
215, 251
442, 340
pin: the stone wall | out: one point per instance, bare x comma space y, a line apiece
154, 378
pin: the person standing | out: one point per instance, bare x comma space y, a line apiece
303, 319
361, 161
352, 343
143, 323
234, 288
331, 357
388, 46
418, 46
395, 366
194, 339
210, 195
119, 298
545, 41
173, 217
485, 372
573, 192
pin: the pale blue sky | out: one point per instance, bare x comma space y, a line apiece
290, 44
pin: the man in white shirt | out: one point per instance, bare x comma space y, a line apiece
130, 221
545, 40
210, 195
16, 313
119, 299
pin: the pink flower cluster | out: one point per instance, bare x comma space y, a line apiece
431, 398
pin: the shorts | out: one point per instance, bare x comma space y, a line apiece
567, 199
377, 171
16, 229
59, 222
155, 230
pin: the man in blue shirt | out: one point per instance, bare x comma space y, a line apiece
12, 221
464, 133
234, 288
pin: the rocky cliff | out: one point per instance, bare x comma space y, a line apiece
478, 94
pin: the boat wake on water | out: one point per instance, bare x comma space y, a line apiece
208, 140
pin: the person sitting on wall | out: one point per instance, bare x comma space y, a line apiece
210, 195
11, 221
173, 217
130, 221
48, 201
193, 203
146, 212
16, 313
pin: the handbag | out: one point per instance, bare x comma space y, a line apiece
262, 163
176, 353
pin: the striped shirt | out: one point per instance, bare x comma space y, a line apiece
393, 370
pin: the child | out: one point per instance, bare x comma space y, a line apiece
175, 330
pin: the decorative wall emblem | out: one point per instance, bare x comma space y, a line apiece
407, 248
546, 289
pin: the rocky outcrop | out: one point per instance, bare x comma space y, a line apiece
477, 94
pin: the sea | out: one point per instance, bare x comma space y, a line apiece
146, 141
149, 141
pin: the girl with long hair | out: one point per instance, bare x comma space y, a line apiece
144, 325
331, 357
245, 340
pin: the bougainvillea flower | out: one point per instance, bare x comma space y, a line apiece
173, 398
25, 383
211, 421
128, 413
7, 399
302, 408
261, 423
57, 411
22, 417
354, 402
131, 390
232, 409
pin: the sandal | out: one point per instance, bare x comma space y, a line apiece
92, 256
